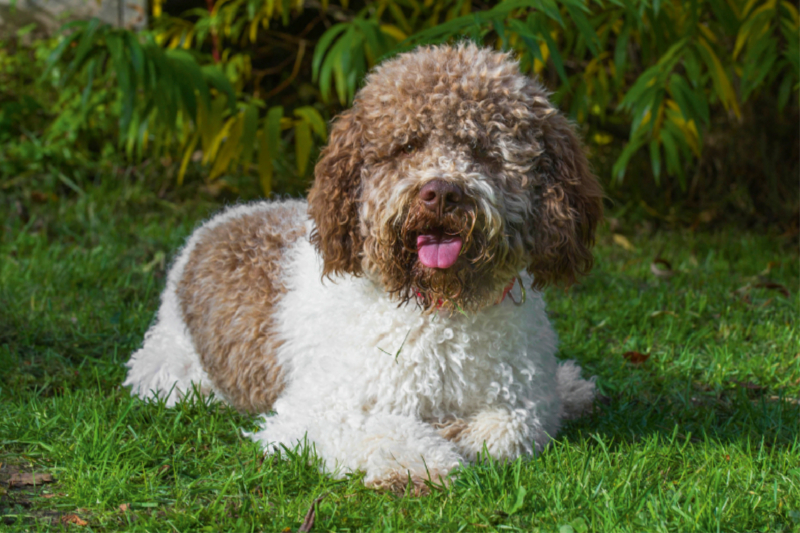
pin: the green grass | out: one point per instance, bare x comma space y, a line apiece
703, 436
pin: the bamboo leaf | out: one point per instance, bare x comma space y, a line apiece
618, 170
272, 126
302, 145
217, 79
264, 164
230, 149
585, 28
784, 92
187, 155
250, 125
322, 46
85, 45
621, 51
721, 82
312, 116
655, 160
673, 158
693, 104
541, 29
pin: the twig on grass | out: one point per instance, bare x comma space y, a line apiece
311, 515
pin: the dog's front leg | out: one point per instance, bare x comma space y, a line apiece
396, 452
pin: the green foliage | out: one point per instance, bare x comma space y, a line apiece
659, 71
44, 131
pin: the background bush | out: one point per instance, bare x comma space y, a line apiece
687, 107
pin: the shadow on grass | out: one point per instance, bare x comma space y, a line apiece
733, 416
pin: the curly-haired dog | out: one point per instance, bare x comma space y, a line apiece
386, 321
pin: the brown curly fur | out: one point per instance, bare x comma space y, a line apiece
231, 283
469, 116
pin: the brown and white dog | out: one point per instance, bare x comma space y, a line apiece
386, 320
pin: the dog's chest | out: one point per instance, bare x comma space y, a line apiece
348, 342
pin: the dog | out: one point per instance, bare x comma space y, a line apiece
394, 320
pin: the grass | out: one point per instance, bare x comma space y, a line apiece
699, 431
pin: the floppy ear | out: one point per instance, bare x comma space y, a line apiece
333, 199
571, 207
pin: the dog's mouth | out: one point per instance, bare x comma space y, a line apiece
438, 249
443, 261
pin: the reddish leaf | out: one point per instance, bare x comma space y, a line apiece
39, 197
636, 358
26, 478
772, 285
73, 519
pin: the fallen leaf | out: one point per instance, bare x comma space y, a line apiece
772, 285
73, 519
770, 265
124, 507
636, 358
27, 478
39, 197
308, 521
665, 272
623, 241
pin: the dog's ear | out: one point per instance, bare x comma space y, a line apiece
571, 206
333, 198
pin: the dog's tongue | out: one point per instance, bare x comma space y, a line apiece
438, 251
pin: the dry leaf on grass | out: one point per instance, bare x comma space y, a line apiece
772, 285
73, 519
621, 240
769, 267
308, 521
124, 507
665, 272
29, 478
39, 197
636, 358
744, 292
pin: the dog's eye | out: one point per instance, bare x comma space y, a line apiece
410, 148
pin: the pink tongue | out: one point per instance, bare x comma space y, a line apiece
438, 251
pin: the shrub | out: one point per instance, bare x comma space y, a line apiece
237, 79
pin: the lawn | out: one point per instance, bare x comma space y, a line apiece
698, 429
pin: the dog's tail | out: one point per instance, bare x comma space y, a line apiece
577, 394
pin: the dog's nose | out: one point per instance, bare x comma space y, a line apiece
440, 196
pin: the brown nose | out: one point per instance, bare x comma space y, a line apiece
440, 196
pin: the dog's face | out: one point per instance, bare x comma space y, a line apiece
450, 174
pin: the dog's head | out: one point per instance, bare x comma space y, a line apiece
450, 174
